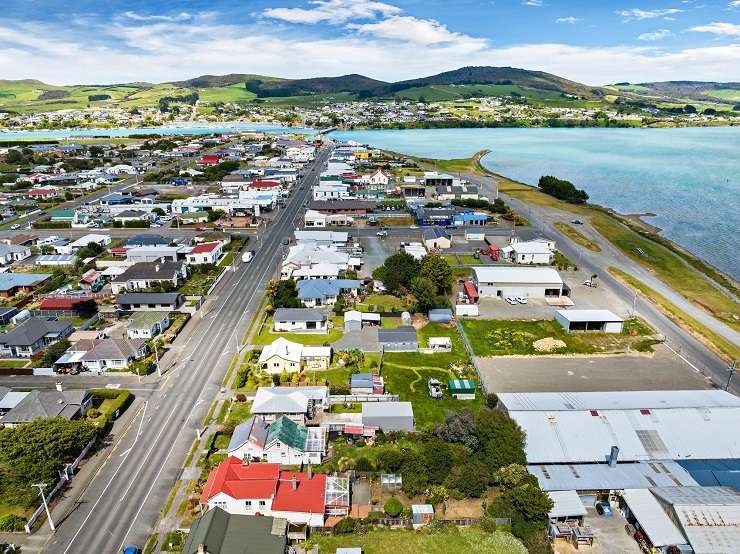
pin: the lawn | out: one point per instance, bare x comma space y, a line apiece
576, 236
199, 283
468, 540
263, 334
493, 337
341, 449
381, 303
458, 165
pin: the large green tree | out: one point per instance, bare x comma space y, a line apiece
502, 440
436, 269
397, 271
425, 293
283, 294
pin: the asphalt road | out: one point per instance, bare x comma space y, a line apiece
122, 504
684, 344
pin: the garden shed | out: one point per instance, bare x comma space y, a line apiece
422, 514
462, 389
440, 315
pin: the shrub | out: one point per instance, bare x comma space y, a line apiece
363, 464
390, 460
374, 516
491, 400
345, 526
339, 388
359, 443
393, 507
241, 397
11, 523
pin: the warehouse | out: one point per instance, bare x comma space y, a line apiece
388, 416
583, 427
600, 321
527, 282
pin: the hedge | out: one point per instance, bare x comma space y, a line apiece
121, 400
52, 225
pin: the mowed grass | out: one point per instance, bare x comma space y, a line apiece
676, 271
576, 236
264, 335
381, 303
468, 540
727, 349
406, 374
493, 337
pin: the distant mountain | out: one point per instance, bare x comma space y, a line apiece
353, 83
710, 91
218, 81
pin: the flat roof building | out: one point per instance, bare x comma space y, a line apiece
528, 282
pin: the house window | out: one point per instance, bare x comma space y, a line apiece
263, 503
221, 505
248, 504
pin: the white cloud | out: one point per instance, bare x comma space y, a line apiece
333, 11
418, 31
734, 4
638, 14
535, 3
182, 16
570, 19
656, 35
723, 29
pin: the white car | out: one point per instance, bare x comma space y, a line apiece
521, 299
15, 227
510, 300
413, 226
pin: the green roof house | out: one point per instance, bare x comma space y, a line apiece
462, 389
289, 443
218, 532
147, 325
63, 215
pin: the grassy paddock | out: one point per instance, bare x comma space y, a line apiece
725, 348
576, 236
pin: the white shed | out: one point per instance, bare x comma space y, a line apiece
602, 321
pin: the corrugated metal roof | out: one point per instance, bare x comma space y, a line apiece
653, 520
524, 275
566, 504
589, 315
387, 409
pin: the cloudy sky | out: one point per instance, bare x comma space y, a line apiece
591, 41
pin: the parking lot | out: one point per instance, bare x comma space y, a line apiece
661, 371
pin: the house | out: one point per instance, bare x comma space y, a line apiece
147, 325
283, 355
10, 253
317, 292
92, 280
218, 532
146, 301
283, 442
6, 313
205, 253
527, 282
48, 403
529, 252
436, 238
56, 260
298, 403
72, 247
299, 320
462, 389
600, 321
43, 193
113, 354
127, 216
156, 253
388, 416
14, 283
312, 218
144, 275
263, 489
209, 159
67, 306
147, 240
366, 383
343, 207
400, 339
376, 179
32, 336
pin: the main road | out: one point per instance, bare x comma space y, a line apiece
122, 503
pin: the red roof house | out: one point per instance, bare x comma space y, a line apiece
42, 193
209, 159
205, 253
263, 185
51, 306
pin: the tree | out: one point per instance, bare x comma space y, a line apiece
414, 475
390, 460
460, 428
54, 352
436, 269
491, 400
393, 507
425, 293
529, 501
158, 211
561, 189
90, 250
501, 439
363, 464
438, 458
512, 476
437, 494
397, 271
470, 479
283, 294
215, 215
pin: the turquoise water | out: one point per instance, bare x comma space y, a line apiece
689, 177
174, 130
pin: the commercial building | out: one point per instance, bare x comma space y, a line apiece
527, 282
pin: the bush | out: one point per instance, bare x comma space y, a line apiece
339, 388
11, 523
390, 460
359, 443
393, 507
491, 400
345, 526
375, 516
363, 464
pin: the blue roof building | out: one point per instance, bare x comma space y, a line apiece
320, 292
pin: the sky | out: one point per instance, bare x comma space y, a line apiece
595, 42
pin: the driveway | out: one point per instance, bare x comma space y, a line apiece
365, 339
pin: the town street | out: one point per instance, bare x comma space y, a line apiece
122, 504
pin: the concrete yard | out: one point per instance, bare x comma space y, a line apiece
609, 536
664, 370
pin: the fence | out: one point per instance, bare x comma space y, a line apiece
342, 398
217, 281
66, 475
471, 353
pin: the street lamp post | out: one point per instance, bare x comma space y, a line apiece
41, 487
156, 357
731, 369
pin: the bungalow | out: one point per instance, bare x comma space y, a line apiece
317, 292
82, 242
218, 532
48, 403
70, 306
32, 336
282, 442
147, 301
147, 240
127, 216
263, 489
299, 320
156, 253
13, 283
147, 325
144, 275
264, 185
114, 354
43, 193
10, 253
92, 280
436, 238
209, 159
284, 355
205, 253
376, 179
298, 403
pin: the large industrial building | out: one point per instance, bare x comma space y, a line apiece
527, 282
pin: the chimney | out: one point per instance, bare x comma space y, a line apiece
294, 483
310, 471
156, 267
613, 455
60, 386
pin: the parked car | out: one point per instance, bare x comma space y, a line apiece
576, 222
200, 229
521, 299
382, 233
604, 509
15, 227
248, 256
413, 226
510, 300
132, 550
286, 242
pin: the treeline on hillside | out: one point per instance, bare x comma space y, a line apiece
165, 101
562, 190
506, 123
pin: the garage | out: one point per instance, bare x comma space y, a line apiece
527, 282
598, 321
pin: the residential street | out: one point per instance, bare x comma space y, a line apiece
122, 504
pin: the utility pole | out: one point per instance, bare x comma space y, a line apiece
634, 303
156, 356
731, 369
41, 487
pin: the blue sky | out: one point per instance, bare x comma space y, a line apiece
595, 42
